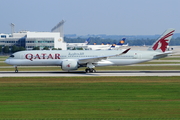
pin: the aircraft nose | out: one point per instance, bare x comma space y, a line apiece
7, 61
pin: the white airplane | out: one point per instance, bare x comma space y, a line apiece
72, 45
107, 47
96, 47
72, 60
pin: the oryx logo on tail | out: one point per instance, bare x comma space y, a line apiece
163, 41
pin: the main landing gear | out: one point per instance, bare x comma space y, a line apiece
90, 70
16, 70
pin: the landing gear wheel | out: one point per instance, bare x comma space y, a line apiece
90, 70
16, 70
87, 70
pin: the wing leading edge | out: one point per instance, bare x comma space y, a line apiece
96, 59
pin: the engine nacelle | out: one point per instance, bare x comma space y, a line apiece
69, 64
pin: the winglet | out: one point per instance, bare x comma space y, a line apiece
124, 52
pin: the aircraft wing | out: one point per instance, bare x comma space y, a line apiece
96, 59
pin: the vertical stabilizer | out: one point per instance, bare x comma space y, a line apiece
121, 42
162, 43
87, 41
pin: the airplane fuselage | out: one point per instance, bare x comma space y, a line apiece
55, 57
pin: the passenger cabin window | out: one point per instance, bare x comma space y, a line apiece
11, 56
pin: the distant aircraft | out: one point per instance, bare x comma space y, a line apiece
73, 59
96, 47
119, 45
73, 45
108, 46
87, 41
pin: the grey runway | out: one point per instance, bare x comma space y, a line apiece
82, 73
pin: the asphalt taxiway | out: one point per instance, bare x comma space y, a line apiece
82, 73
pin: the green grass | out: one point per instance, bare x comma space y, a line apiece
4, 64
90, 97
168, 62
3, 58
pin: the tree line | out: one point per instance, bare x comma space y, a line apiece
6, 49
97, 40
135, 42
14, 48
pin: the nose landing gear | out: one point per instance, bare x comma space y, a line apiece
16, 70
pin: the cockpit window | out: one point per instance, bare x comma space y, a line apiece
11, 56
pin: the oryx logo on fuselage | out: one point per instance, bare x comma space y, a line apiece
30, 56
163, 42
68, 65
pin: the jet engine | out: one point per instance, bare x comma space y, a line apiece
69, 64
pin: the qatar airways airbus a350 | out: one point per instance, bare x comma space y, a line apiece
73, 59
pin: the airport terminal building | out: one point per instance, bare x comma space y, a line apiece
29, 40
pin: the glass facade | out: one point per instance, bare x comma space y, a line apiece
3, 36
28, 43
13, 41
39, 42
